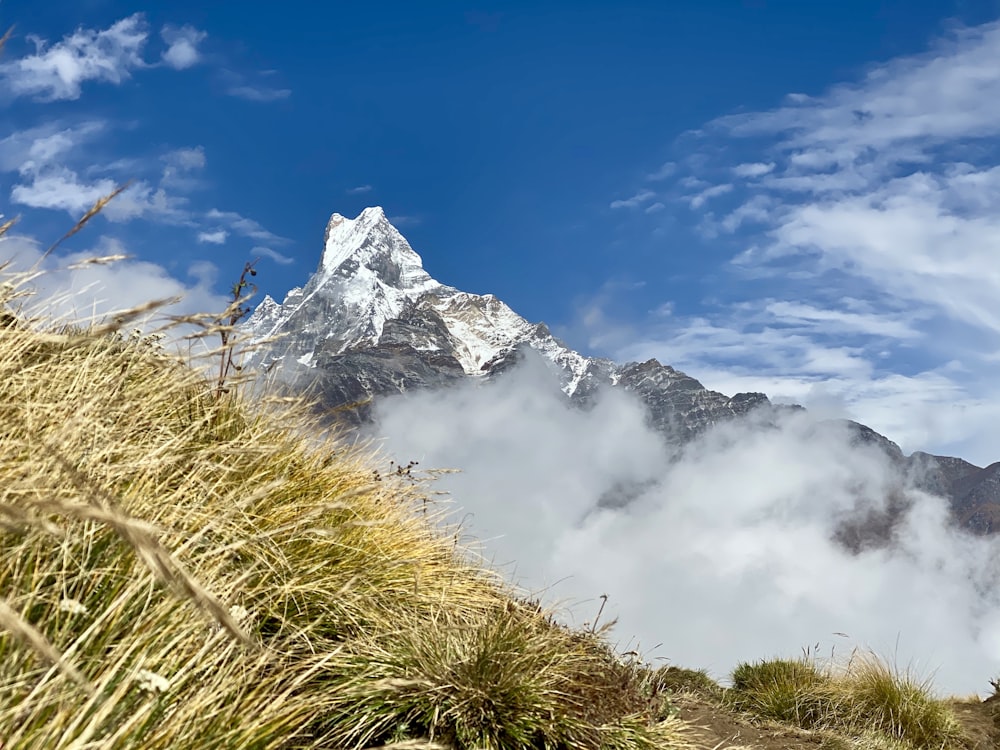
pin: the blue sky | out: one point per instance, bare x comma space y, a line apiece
799, 198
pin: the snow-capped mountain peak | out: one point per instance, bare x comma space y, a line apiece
369, 277
368, 274
372, 243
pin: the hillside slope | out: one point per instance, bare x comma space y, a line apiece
182, 570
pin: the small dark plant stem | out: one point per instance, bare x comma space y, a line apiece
241, 290
604, 600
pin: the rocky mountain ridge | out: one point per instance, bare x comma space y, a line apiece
371, 322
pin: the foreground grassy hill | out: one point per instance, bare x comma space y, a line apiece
183, 569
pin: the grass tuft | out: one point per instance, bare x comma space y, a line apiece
868, 704
792, 691
897, 704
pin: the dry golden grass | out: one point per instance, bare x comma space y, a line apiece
181, 569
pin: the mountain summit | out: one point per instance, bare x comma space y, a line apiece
371, 322
368, 274
371, 291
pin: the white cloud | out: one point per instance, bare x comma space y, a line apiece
183, 42
757, 210
360, 189
402, 220
141, 200
737, 534
72, 289
33, 149
216, 237
41, 156
258, 93
62, 190
245, 227
837, 358
186, 158
57, 71
753, 169
654, 208
274, 255
665, 170
917, 237
643, 196
830, 320
952, 91
931, 411
181, 168
699, 200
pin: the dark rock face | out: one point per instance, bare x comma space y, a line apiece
344, 385
679, 406
974, 494
371, 322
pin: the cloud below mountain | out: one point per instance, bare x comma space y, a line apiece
725, 555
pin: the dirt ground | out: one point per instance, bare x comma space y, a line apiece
981, 721
714, 728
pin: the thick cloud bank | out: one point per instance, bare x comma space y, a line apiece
727, 554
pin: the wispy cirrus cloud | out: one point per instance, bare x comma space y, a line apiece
893, 180
216, 237
665, 170
258, 93
948, 93
51, 164
245, 227
753, 169
359, 190
182, 168
35, 147
266, 252
58, 71
405, 220
700, 198
867, 217
639, 198
52, 174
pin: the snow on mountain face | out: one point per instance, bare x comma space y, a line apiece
482, 326
375, 244
369, 275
